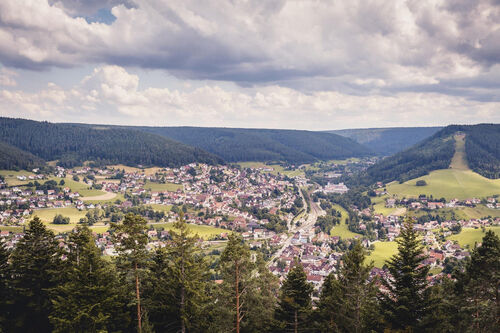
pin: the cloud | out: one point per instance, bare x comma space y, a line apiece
7, 77
110, 94
289, 43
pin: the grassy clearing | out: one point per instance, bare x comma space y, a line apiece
449, 184
118, 196
383, 251
161, 208
460, 213
128, 169
203, 231
342, 229
11, 228
470, 236
11, 177
379, 206
456, 182
459, 162
83, 189
47, 214
156, 187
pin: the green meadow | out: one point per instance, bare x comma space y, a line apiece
471, 236
204, 231
342, 229
383, 251
157, 187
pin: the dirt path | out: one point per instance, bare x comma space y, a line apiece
105, 196
459, 162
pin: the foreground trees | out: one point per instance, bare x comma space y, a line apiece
406, 301
52, 286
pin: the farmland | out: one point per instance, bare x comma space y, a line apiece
203, 231
342, 229
470, 236
382, 252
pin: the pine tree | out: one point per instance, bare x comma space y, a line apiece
260, 300
131, 240
294, 305
89, 299
181, 275
4, 285
236, 271
35, 267
479, 287
348, 303
406, 301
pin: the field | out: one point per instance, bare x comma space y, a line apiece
276, 168
10, 177
379, 206
470, 236
156, 187
341, 229
382, 252
47, 214
204, 231
11, 228
147, 171
460, 213
456, 182
161, 208
449, 184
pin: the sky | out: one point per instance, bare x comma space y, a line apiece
314, 65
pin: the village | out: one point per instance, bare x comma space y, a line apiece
268, 209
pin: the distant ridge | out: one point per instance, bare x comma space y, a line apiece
390, 140
240, 144
12, 158
73, 144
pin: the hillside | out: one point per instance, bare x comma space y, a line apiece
237, 144
480, 152
12, 158
73, 144
388, 141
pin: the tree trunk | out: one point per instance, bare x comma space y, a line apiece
139, 322
237, 282
296, 322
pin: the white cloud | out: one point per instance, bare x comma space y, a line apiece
112, 95
7, 77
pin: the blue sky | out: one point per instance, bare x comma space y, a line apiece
271, 64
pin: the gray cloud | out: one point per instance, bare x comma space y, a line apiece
355, 47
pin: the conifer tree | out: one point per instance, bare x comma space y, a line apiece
4, 286
131, 240
35, 267
236, 269
406, 301
89, 299
479, 287
181, 275
294, 304
348, 303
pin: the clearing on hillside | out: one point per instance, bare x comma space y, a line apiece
383, 251
456, 182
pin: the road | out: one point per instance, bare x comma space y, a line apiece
307, 225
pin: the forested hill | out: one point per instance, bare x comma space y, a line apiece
73, 144
293, 146
482, 149
12, 158
388, 141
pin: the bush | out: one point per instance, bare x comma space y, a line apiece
421, 183
59, 219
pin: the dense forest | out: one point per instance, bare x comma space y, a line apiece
482, 148
236, 144
388, 141
73, 144
54, 284
12, 158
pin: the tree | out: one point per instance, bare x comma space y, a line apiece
478, 288
131, 240
59, 219
421, 183
35, 267
179, 277
235, 269
4, 285
348, 303
90, 297
406, 301
294, 304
